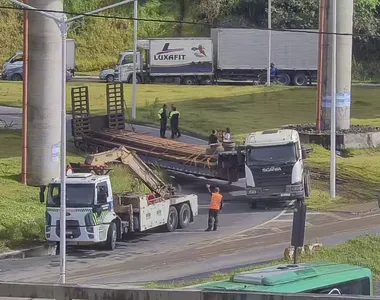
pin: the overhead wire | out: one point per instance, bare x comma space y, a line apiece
119, 17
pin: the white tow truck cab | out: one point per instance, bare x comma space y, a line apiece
274, 167
95, 215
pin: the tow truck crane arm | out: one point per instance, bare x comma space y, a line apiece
139, 168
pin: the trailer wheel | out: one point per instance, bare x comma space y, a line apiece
307, 186
300, 79
110, 244
189, 81
184, 216
172, 223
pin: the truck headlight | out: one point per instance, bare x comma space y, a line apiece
297, 188
251, 192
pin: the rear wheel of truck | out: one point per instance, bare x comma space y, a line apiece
110, 244
138, 79
300, 79
172, 223
189, 81
184, 216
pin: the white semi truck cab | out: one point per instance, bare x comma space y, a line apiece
274, 167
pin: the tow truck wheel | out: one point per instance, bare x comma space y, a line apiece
184, 216
111, 237
172, 223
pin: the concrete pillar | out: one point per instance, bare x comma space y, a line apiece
44, 90
344, 63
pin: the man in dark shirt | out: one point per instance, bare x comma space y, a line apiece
174, 120
213, 138
163, 117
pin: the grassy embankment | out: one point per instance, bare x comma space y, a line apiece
245, 109
363, 251
21, 213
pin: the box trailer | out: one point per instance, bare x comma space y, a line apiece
242, 54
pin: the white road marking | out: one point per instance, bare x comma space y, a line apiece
254, 227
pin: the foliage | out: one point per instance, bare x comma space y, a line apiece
100, 40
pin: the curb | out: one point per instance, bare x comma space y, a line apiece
43, 250
366, 212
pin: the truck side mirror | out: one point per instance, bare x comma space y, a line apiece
42, 193
303, 152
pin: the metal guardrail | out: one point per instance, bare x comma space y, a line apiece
88, 292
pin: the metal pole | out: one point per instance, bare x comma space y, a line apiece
321, 41
269, 39
134, 59
333, 105
63, 27
25, 98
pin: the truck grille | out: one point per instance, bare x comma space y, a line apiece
72, 229
273, 180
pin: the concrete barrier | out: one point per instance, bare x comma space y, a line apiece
88, 292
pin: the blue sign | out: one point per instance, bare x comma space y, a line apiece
342, 100
56, 153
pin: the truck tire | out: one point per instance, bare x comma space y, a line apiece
189, 80
110, 244
307, 185
184, 216
283, 79
172, 222
138, 79
300, 79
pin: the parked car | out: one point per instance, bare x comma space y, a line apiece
107, 75
16, 73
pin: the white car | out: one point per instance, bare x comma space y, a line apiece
107, 75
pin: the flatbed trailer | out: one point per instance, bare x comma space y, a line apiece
100, 133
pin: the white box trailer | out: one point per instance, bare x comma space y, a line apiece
241, 53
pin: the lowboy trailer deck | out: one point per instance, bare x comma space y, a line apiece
99, 133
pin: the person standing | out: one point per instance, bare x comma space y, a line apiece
216, 205
227, 135
174, 120
213, 138
163, 117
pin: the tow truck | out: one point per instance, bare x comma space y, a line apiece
96, 215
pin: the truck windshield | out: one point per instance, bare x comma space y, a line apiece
77, 195
274, 154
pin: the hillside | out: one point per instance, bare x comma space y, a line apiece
100, 40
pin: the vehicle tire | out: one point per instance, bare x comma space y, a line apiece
263, 78
307, 185
283, 79
138, 79
300, 79
253, 204
172, 222
184, 216
188, 81
110, 78
16, 77
110, 244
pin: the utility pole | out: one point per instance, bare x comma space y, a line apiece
269, 39
63, 25
344, 24
44, 89
25, 99
134, 102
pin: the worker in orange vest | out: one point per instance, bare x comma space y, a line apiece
215, 207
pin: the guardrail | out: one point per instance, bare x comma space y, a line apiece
88, 292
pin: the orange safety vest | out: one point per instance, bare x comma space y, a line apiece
216, 200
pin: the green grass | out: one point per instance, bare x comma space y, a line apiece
363, 251
243, 108
21, 214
